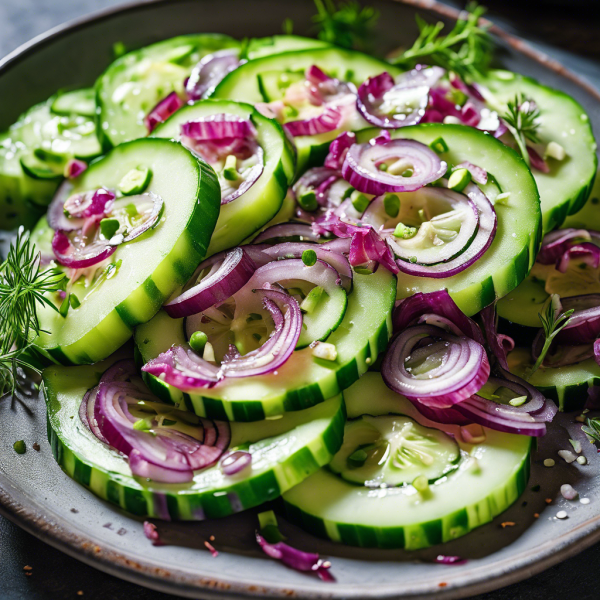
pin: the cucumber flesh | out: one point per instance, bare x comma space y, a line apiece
251, 211
524, 304
393, 450
489, 478
284, 452
79, 102
567, 386
276, 44
134, 83
589, 216
304, 380
139, 276
567, 186
244, 85
512, 253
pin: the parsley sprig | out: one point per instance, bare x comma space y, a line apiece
346, 24
553, 322
522, 119
23, 284
465, 50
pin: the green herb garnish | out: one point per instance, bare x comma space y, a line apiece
522, 120
465, 50
592, 429
552, 322
347, 24
23, 285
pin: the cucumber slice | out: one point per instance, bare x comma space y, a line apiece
589, 216
140, 275
79, 102
393, 450
490, 477
524, 304
272, 84
284, 452
28, 183
567, 386
518, 237
242, 217
134, 83
304, 380
243, 85
276, 44
567, 186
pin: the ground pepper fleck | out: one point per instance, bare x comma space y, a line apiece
36, 447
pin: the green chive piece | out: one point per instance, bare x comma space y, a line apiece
308, 201
383, 167
404, 231
19, 447
412, 260
459, 180
439, 145
108, 227
309, 257
391, 204
64, 307
421, 484
230, 171
519, 401
198, 341
269, 528
359, 201
253, 317
135, 182
358, 458
74, 301
310, 303
131, 210
142, 425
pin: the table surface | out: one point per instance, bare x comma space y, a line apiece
569, 34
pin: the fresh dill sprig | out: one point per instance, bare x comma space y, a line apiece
552, 323
23, 284
522, 120
466, 50
347, 24
592, 429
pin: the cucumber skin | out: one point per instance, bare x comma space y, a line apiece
134, 499
419, 536
173, 272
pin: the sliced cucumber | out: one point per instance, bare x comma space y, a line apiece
567, 186
33, 154
248, 213
304, 380
276, 44
489, 478
589, 216
141, 275
567, 386
244, 85
524, 304
284, 452
134, 83
79, 102
512, 253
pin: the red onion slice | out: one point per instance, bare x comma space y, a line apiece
537, 162
556, 243
233, 463
96, 203
384, 104
361, 166
250, 178
80, 256
482, 241
218, 127
462, 369
284, 232
75, 168
56, 217
500, 345
221, 283
162, 111
478, 174
408, 311
295, 559
448, 416
329, 120
150, 220
338, 149
210, 71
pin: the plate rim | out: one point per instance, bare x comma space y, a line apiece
66, 537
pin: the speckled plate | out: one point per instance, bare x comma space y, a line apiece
38, 496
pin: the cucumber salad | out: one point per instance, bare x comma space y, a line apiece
344, 276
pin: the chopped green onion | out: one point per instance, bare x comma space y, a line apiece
308, 201
439, 145
142, 425
230, 171
391, 204
135, 182
519, 401
108, 227
459, 180
198, 341
64, 307
74, 301
359, 201
404, 231
19, 447
421, 484
309, 257
310, 303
